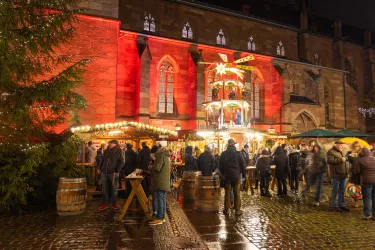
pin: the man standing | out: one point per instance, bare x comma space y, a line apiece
302, 164
90, 153
205, 162
232, 166
110, 167
130, 165
338, 172
216, 159
143, 161
246, 156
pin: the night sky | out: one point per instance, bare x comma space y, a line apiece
357, 13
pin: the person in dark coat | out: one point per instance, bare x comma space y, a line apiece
143, 161
110, 167
189, 159
303, 162
263, 166
232, 166
339, 172
293, 162
365, 166
205, 162
353, 157
98, 160
282, 170
216, 159
317, 168
130, 164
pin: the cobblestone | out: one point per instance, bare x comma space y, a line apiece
283, 223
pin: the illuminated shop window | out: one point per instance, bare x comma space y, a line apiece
251, 44
220, 39
166, 85
149, 23
280, 50
187, 31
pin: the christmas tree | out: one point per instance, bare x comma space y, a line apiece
35, 97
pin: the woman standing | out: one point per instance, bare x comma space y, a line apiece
366, 168
316, 168
280, 159
353, 157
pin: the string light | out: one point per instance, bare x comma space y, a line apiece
118, 125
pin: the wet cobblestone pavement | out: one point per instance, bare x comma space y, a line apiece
290, 222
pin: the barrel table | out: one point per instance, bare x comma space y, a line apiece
207, 193
188, 183
71, 196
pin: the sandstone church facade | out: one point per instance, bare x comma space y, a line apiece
151, 59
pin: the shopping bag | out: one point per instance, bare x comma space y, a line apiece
353, 191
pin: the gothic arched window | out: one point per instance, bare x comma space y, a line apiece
166, 86
220, 39
326, 105
251, 44
187, 32
317, 60
280, 50
149, 23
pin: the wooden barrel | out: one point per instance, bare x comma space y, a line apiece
207, 193
71, 196
188, 183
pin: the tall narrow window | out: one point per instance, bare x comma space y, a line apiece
251, 44
317, 60
280, 50
187, 31
149, 23
220, 39
210, 81
166, 85
348, 68
326, 105
255, 97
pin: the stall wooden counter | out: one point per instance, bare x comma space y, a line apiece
250, 178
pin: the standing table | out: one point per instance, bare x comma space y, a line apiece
250, 178
137, 190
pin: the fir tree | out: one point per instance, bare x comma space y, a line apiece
34, 97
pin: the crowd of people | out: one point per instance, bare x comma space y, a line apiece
292, 163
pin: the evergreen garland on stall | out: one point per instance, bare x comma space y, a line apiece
35, 98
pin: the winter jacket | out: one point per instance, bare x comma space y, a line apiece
205, 163
130, 161
337, 167
113, 161
263, 165
232, 164
161, 171
246, 157
366, 166
216, 162
318, 162
302, 159
281, 162
144, 158
99, 157
293, 161
90, 154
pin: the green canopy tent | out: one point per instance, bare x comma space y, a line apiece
350, 133
319, 133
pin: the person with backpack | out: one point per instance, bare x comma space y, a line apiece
295, 170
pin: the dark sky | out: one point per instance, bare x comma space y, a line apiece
357, 13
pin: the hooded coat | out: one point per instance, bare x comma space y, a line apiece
161, 171
263, 165
318, 163
337, 167
113, 160
366, 166
281, 162
232, 164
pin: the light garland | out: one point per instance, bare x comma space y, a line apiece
118, 125
369, 111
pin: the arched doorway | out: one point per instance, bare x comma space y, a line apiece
304, 122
